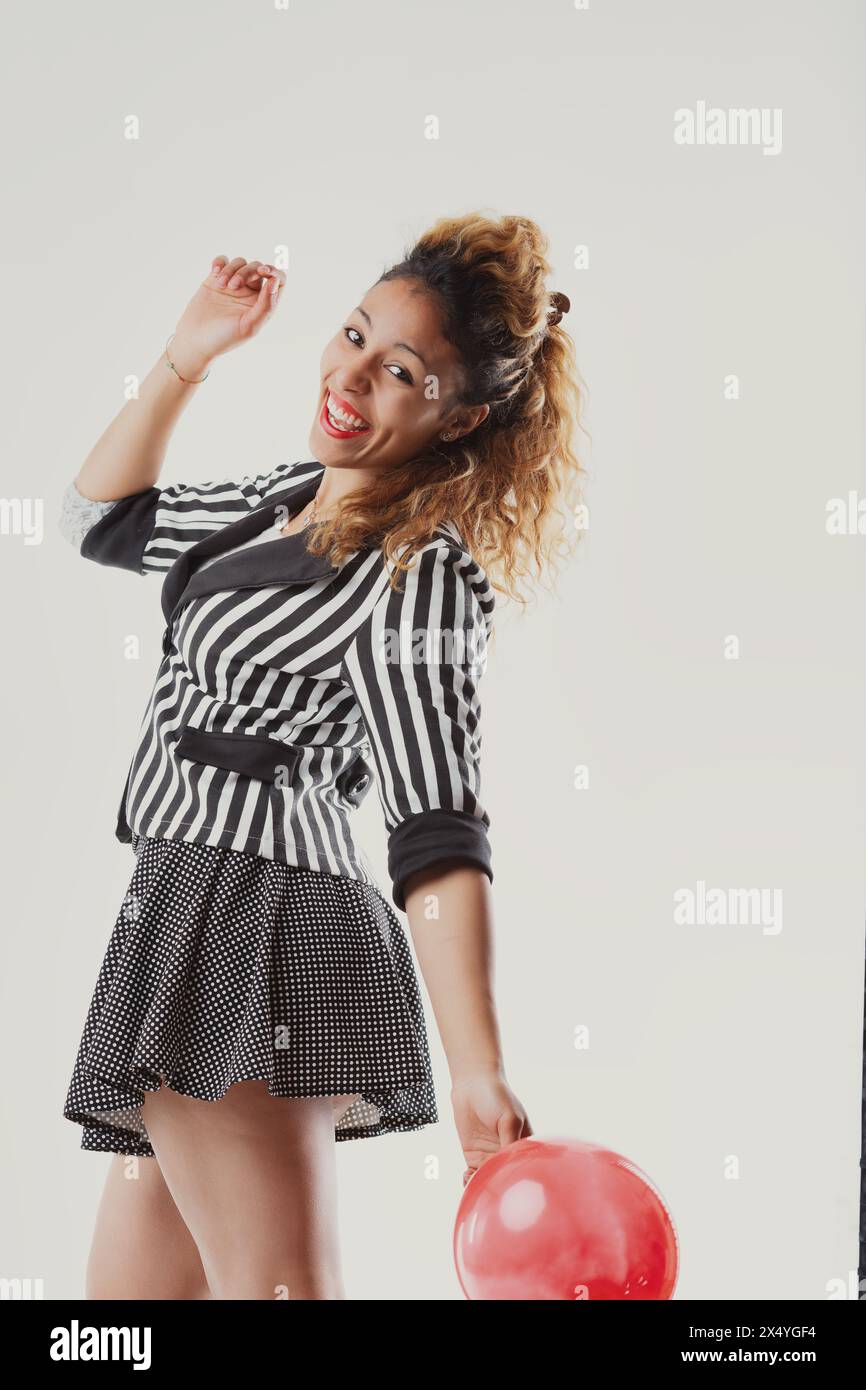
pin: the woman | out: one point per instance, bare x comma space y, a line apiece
325, 622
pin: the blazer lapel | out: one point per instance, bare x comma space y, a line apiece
284, 560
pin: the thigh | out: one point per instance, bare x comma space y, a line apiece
142, 1247
340, 1104
254, 1178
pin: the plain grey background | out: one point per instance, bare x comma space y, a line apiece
723, 1060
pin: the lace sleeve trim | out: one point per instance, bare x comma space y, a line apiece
78, 513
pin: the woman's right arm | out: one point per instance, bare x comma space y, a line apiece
129, 454
228, 308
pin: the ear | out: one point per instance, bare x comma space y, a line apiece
467, 420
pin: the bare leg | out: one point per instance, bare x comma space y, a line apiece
141, 1246
254, 1179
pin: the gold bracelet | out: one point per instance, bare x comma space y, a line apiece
169, 363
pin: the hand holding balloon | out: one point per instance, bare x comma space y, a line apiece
488, 1117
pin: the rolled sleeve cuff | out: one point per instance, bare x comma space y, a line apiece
429, 836
120, 537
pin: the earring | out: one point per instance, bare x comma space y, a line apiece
447, 436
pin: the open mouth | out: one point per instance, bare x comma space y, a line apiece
340, 422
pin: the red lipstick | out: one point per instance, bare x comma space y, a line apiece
336, 432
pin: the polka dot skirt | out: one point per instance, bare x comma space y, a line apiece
226, 967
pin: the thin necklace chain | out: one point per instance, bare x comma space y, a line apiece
311, 517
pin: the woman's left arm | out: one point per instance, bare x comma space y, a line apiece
415, 667
450, 914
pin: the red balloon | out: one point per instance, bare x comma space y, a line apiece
560, 1218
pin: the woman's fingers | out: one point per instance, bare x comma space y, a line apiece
240, 273
228, 272
277, 278
247, 276
268, 296
262, 278
275, 285
255, 272
238, 280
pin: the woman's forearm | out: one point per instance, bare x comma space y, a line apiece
451, 920
129, 455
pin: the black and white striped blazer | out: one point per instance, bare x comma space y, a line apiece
281, 676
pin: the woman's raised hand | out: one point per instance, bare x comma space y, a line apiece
229, 307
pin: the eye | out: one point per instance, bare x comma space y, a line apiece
405, 375
358, 341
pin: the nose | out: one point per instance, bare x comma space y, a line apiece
352, 387
351, 380
352, 370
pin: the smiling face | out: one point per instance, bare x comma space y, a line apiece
387, 377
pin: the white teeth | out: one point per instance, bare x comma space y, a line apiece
340, 419
340, 424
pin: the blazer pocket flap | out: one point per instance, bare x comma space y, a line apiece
252, 755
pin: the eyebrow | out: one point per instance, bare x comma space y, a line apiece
407, 346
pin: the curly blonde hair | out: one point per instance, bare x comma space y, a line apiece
511, 486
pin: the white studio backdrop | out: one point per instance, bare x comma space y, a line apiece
701, 718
